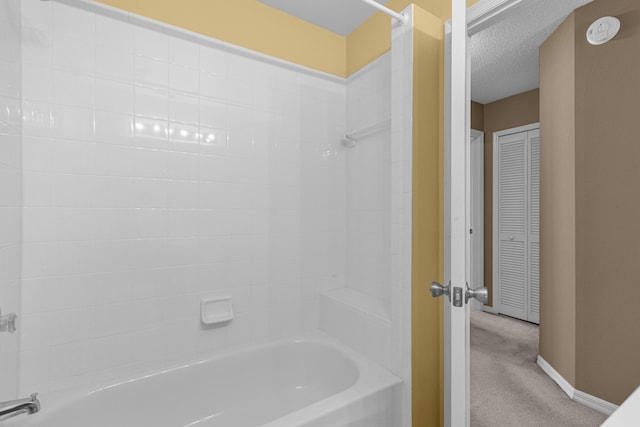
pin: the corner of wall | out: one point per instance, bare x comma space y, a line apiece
427, 237
558, 201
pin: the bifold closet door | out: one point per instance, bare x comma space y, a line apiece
518, 171
533, 306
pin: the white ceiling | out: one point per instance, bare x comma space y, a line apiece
504, 56
339, 16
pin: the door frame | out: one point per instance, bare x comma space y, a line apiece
494, 247
457, 103
475, 213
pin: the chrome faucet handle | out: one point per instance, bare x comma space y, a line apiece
8, 322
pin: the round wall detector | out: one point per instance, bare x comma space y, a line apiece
603, 30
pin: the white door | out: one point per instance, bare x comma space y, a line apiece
457, 106
516, 222
455, 292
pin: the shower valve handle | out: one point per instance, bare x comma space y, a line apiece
8, 322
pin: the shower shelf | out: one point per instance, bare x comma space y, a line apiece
367, 304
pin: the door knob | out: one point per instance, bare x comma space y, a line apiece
437, 290
481, 294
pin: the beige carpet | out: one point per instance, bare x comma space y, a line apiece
507, 386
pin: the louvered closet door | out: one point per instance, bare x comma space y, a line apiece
533, 314
512, 227
517, 272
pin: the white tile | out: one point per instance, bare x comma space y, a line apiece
114, 255
212, 168
36, 118
115, 64
114, 33
72, 325
70, 224
213, 195
183, 108
114, 96
113, 224
72, 157
113, 319
152, 44
76, 89
150, 223
183, 52
73, 54
184, 79
113, 160
35, 368
212, 249
182, 195
114, 192
150, 193
72, 122
213, 60
73, 190
151, 72
37, 189
36, 83
184, 137
213, 222
183, 166
213, 141
72, 22
213, 85
213, 114
182, 222
108, 352
239, 333
114, 128
149, 163
151, 133
152, 102
147, 313
37, 153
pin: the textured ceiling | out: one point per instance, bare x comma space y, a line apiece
504, 56
339, 16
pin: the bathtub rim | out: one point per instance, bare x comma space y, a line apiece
371, 378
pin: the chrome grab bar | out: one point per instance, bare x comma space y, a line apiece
13, 408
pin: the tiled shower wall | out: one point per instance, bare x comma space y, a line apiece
369, 182
10, 189
159, 168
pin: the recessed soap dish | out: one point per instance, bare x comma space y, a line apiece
216, 310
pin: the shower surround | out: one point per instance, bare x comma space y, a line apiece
161, 167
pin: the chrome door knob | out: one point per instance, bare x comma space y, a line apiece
437, 290
481, 294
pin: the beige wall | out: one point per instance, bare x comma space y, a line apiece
607, 204
477, 116
517, 110
590, 262
557, 201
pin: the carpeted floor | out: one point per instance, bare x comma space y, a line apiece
507, 386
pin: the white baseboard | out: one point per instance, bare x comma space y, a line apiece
594, 402
578, 396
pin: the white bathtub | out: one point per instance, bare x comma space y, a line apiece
310, 382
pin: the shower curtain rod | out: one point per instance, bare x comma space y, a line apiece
399, 16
